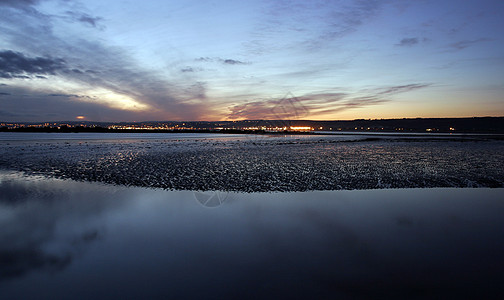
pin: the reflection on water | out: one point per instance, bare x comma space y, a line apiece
47, 136
66, 239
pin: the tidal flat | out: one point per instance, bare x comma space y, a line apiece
260, 163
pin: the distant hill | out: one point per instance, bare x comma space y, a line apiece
440, 125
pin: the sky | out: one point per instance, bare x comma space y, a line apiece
159, 60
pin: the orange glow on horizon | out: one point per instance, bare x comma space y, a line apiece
80, 117
301, 128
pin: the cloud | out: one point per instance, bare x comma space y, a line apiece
25, 105
85, 18
101, 70
17, 65
18, 3
467, 43
328, 21
232, 62
64, 95
74, 16
323, 97
287, 108
352, 17
408, 42
226, 61
401, 89
204, 59
291, 107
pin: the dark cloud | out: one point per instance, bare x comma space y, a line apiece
64, 95
18, 3
26, 105
226, 61
187, 69
204, 59
86, 19
96, 66
401, 89
232, 62
17, 65
408, 42
467, 43
4, 94
74, 16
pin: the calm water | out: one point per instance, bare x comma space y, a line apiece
332, 135
41, 136
94, 136
65, 239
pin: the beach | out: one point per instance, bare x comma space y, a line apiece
260, 163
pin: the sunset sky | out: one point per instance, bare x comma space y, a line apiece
229, 60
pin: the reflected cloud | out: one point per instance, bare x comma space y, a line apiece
45, 224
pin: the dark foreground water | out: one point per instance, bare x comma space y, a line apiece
61, 239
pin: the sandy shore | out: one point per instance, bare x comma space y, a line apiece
262, 163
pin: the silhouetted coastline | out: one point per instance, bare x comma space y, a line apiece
491, 125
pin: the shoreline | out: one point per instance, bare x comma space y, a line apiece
486, 134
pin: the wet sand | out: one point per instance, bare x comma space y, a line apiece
259, 163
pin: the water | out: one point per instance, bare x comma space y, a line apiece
61, 239
43, 136
324, 135
86, 136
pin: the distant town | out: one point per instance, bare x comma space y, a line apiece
406, 125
